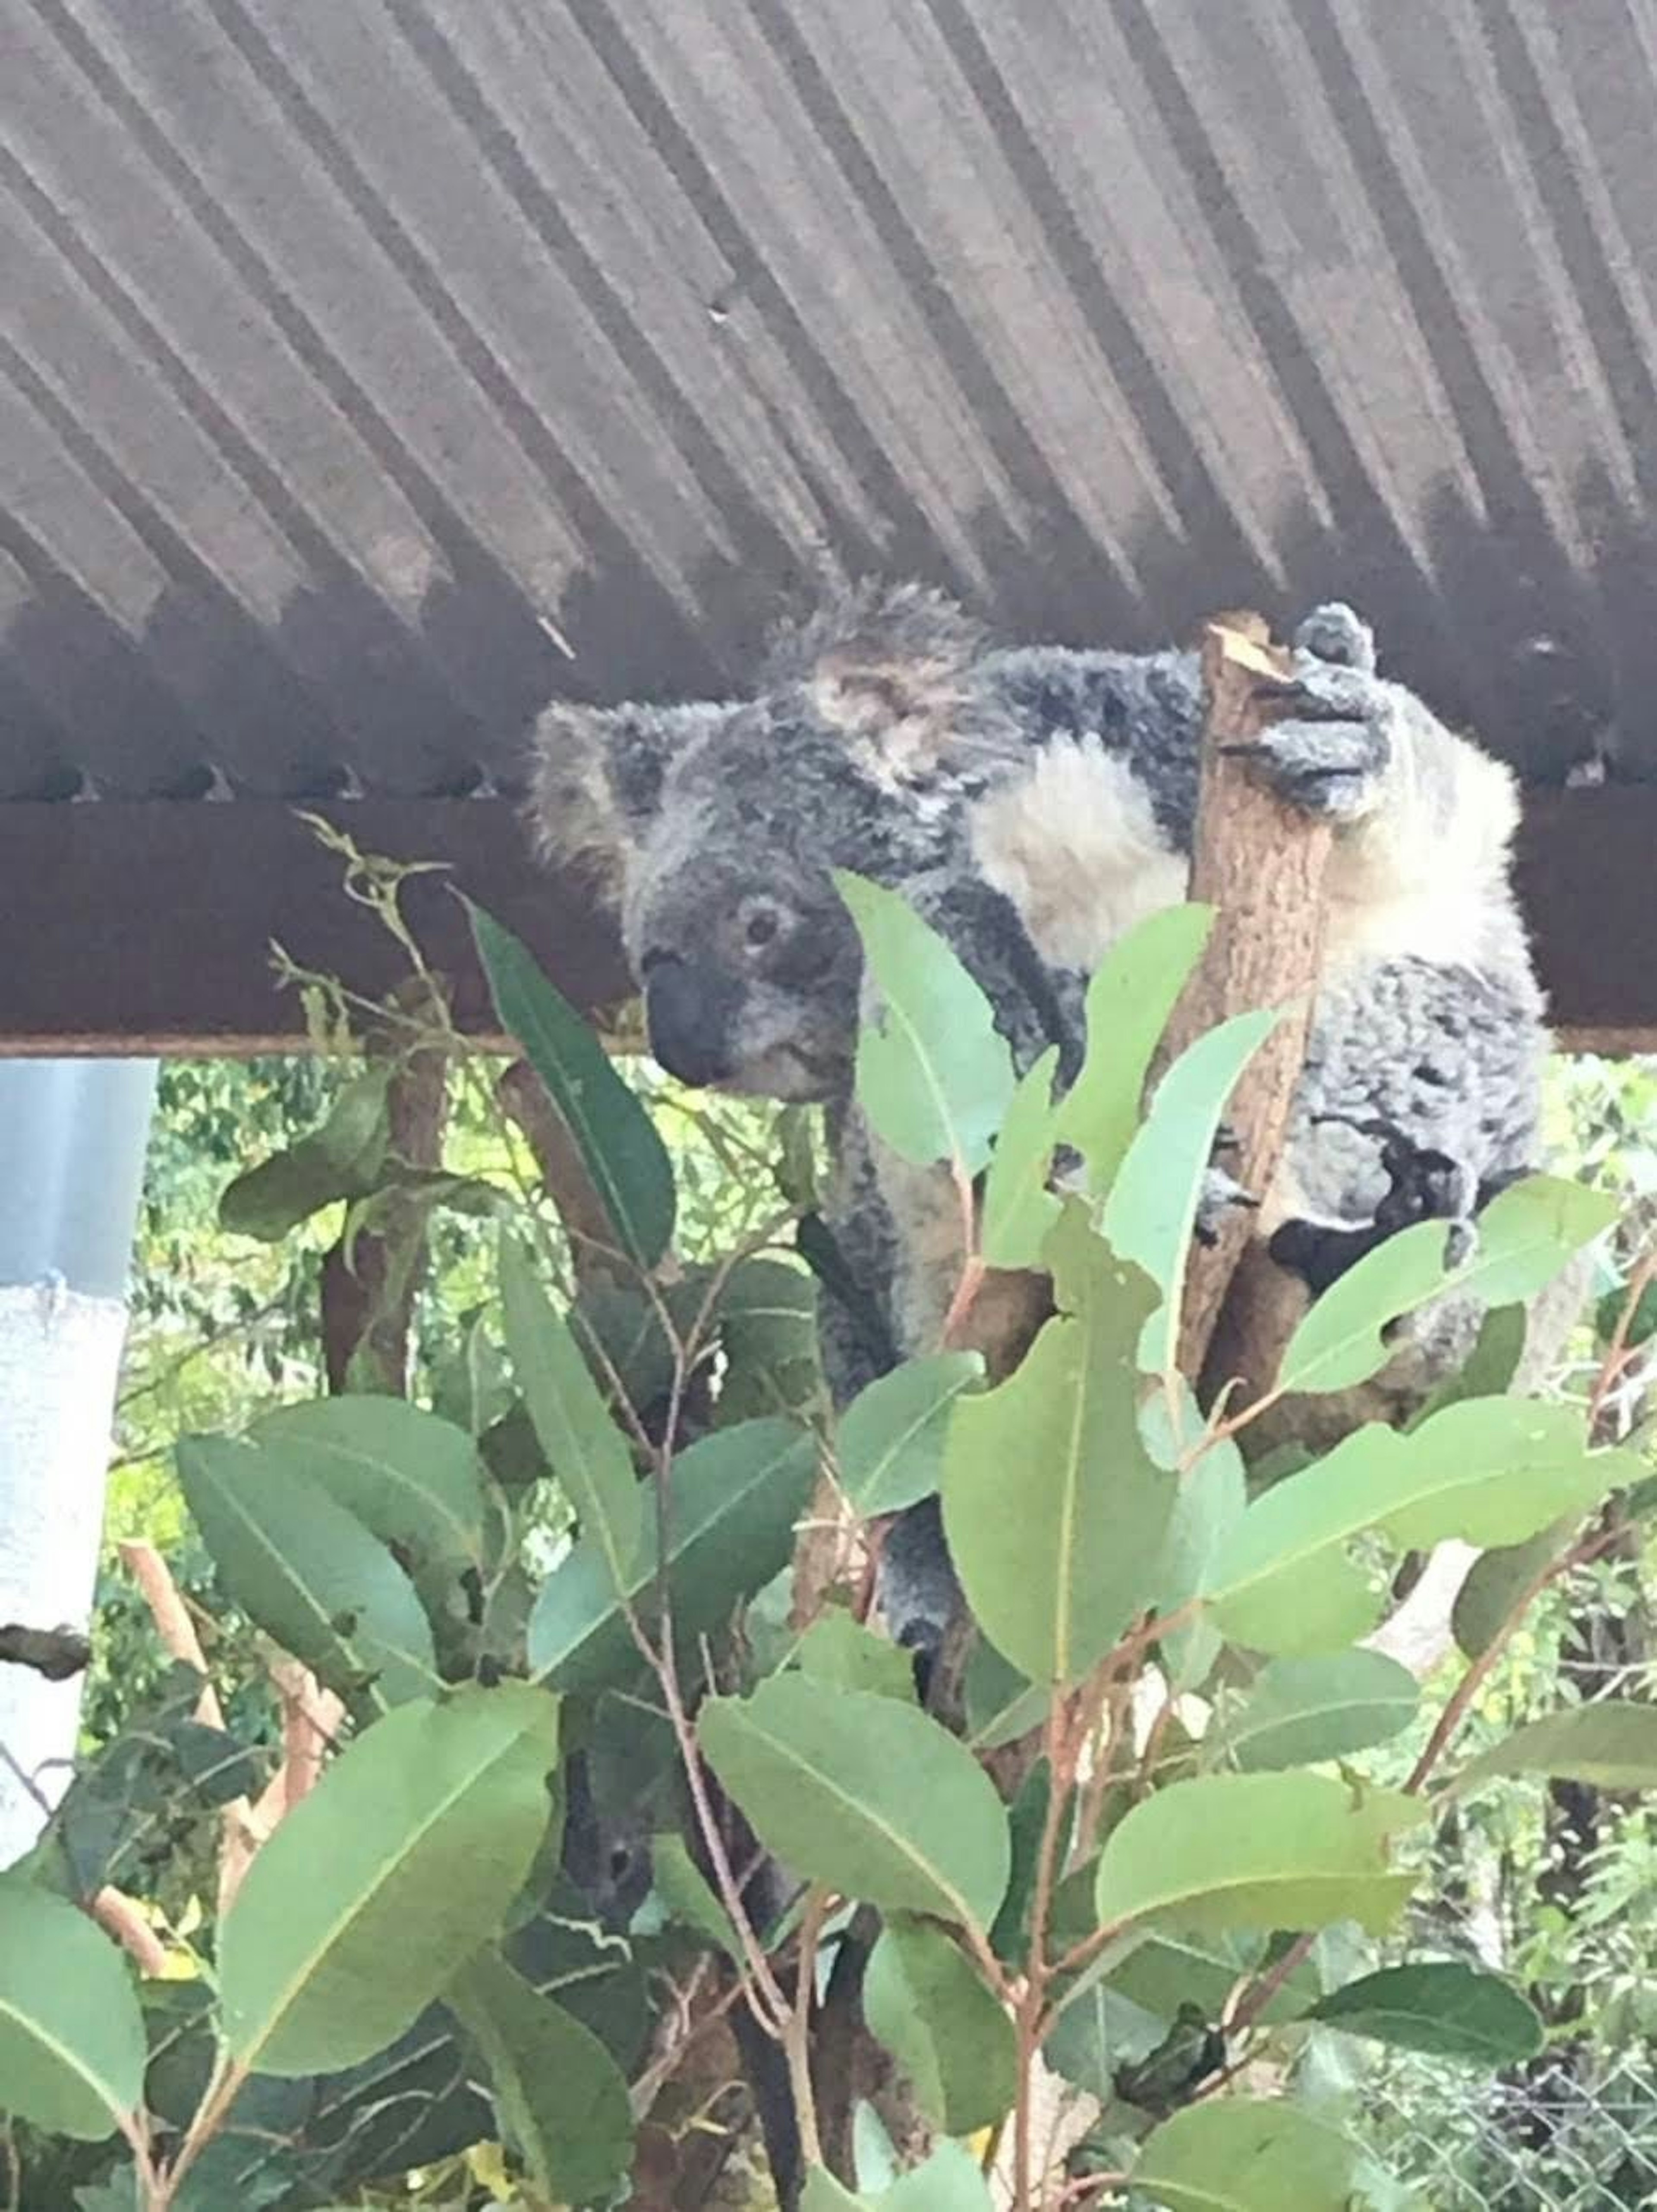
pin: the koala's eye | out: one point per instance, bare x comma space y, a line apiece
761, 926
621, 1859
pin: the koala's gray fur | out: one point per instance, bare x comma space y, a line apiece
1034, 804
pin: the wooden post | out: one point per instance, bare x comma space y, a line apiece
1261, 863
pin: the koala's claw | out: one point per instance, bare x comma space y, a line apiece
1329, 752
1220, 1193
1335, 634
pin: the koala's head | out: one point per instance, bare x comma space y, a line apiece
714, 830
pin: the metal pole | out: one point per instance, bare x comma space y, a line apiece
73, 1135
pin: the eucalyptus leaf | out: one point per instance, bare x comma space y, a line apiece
864, 1793
934, 1075
948, 2180
734, 1499
341, 1160
72, 2051
1247, 2154
1019, 1208
411, 1478
1525, 1236
1131, 998
688, 1897
1488, 1471
1611, 1745
624, 1158
925, 2001
1150, 1214
1292, 1851
1209, 1503
1445, 2009
561, 2099
1301, 1712
586, 1452
889, 1442
1055, 1582
379, 1885
1497, 1581
837, 1649
307, 1572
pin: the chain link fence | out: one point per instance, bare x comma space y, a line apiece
1565, 2137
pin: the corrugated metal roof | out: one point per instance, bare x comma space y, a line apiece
371, 369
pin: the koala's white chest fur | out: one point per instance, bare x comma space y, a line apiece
1074, 844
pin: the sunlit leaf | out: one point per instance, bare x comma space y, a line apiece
867, 1794
1019, 1208
1525, 1235
1246, 2155
837, 1649
72, 2036
620, 1149
1257, 1851
934, 1075
1150, 1213
1055, 1577
1301, 1712
1132, 995
1488, 1471
1611, 1745
379, 1885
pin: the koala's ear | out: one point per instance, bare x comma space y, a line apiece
894, 670
596, 782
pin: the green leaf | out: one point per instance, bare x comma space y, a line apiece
1301, 1712
889, 1445
933, 1075
1446, 2009
838, 1650
1497, 1581
1525, 1235
734, 1500
686, 1896
72, 2052
341, 1160
1166, 1970
1290, 1851
924, 2000
1150, 1213
377, 1887
1019, 1209
306, 1571
1245, 2155
1210, 1502
1488, 1471
1132, 995
950, 2180
1610, 1746
623, 1156
1489, 1368
1001, 1705
410, 1478
767, 1323
586, 1452
562, 2100
1053, 1580
864, 1793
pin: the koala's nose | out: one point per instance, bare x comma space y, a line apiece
688, 1013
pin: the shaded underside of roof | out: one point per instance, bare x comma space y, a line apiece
370, 372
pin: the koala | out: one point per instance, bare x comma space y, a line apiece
1035, 803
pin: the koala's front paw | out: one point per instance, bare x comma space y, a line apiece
1219, 1195
1330, 752
1335, 634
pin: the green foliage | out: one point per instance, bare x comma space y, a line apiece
376, 1890
422, 1966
